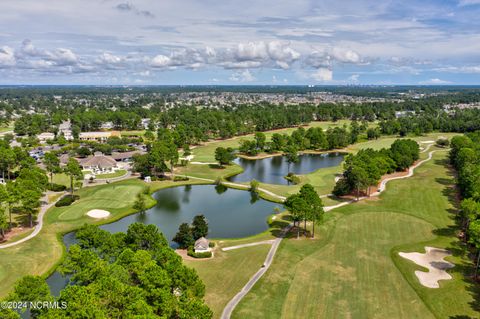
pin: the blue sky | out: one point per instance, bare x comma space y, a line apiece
239, 42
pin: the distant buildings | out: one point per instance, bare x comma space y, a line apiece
400, 114
65, 129
46, 136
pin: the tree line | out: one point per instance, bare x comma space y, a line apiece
365, 169
465, 157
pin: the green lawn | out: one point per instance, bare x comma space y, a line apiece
6, 128
61, 179
348, 271
227, 273
118, 173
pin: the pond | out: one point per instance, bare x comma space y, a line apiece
230, 213
273, 169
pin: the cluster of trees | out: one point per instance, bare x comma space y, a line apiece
465, 157
365, 169
123, 275
466, 120
224, 155
21, 197
25, 183
313, 138
162, 153
188, 234
305, 206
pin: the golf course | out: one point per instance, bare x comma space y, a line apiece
351, 269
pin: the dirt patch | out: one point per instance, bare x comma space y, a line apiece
16, 231
433, 260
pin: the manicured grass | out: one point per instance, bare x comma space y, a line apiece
227, 273
6, 128
118, 173
353, 270
61, 179
132, 133
385, 142
208, 171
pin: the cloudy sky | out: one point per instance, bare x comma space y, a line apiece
239, 42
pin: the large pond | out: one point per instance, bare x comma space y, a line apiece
230, 213
273, 169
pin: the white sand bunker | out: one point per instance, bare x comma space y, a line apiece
427, 142
433, 261
98, 213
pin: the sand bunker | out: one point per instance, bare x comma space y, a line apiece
98, 213
433, 261
427, 142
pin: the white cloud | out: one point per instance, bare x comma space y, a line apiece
345, 55
108, 58
472, 69
322, 75
353, 78
242, 76
434, 81
7, 57
161, 61
468, 2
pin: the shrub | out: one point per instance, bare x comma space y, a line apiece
180, 178
341, 187
292, 178
56, 187
443, 142
193, 254
66, 200
211, 244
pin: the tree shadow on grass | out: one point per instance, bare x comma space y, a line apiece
457, 247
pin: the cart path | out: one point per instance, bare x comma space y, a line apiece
227, 311
38, 227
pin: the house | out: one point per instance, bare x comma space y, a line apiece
202, 245
43, 137
145, 123
99, 163
98, 136
107, 125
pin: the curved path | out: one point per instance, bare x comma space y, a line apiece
38, 227
227, 311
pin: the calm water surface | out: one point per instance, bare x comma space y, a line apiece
273, 169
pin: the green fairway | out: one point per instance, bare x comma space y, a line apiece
348, 271
227, 273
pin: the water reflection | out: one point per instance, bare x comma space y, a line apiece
273, 169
